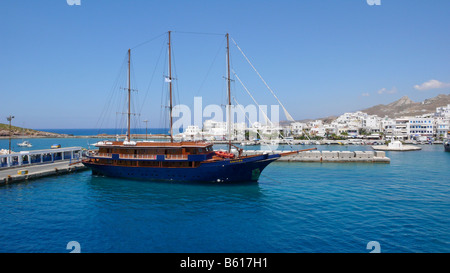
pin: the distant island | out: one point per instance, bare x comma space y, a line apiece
19, 132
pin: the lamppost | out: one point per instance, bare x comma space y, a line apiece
9, 119
146, 122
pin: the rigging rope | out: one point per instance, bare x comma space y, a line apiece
199, 33
152, 77
210, 67
288, 116
248, 92
112, 97
262, 111
148, 41
243, 111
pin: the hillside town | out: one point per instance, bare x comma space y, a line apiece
355, 125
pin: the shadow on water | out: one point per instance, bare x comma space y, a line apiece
172, 192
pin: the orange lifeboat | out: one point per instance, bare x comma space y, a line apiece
224, 154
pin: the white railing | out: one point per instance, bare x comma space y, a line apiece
176, 157
133, 156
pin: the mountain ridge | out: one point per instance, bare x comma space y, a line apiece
401, 107
406, 107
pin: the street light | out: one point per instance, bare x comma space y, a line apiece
146, 122
9, 119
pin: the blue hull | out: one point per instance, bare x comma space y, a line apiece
228, 171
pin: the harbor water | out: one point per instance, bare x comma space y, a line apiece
295, 208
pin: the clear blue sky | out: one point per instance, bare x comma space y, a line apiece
59, 63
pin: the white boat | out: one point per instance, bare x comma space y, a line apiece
250, 143
396, 146
24, 144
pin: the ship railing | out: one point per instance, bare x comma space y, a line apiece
176, 157
103, 154
133, 156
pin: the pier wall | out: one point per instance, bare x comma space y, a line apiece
15, 175
329, 156
27, 165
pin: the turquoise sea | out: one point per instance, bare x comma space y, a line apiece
295, 208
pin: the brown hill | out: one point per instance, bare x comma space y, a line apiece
402, 107
406, 107
24, 132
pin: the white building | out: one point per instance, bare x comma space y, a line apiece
352, 123
372, 123
296, 128
193, 132
219, 130
442, 128
396, 129
420, 126
443, 111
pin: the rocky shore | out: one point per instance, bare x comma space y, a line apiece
17, 132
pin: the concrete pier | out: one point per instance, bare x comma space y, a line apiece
27, 165
27, 158
329, 156
24, 173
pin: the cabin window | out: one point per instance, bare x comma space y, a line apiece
176, 164
192, 151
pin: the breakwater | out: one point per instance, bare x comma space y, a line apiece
329, 156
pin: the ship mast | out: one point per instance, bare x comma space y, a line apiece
170, 91
129, 98
229, 94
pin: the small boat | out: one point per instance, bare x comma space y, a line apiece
396, 146
447, 143
56, 146
24, 144
250, 143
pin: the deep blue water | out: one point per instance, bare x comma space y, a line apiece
295, 207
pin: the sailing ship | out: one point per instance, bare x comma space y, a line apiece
193, 161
